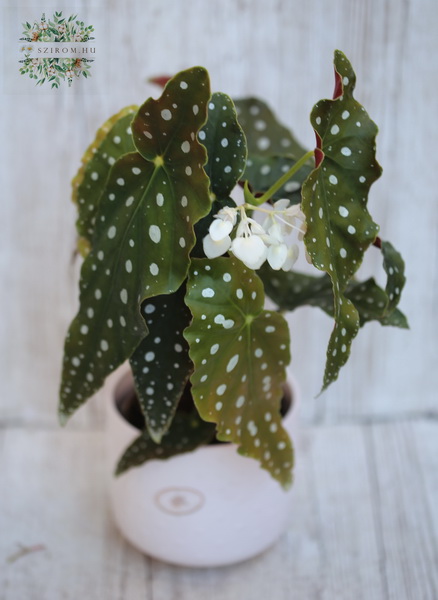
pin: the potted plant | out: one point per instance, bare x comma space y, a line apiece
174, 281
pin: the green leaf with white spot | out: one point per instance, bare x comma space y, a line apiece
187, 432
226, 145
161, 364
264, 134
395, 269
292, 290
272, 150
240, 352
113, 139
372, 303
143, 237
339, 227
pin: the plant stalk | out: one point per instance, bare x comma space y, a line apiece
284, 178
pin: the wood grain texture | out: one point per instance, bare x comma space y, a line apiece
365, 518
363, 523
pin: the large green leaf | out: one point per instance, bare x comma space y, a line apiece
225, 142
264, 134
187, 432
143, 237
372, 304
113, 139
240, 352
272, 150
226, 145
339, 227
291, 290
161, 364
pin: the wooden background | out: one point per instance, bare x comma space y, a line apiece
365, 520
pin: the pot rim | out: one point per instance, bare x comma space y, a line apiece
122, 379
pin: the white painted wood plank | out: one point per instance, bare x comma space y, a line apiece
282, 51
407, 514
363, 525
53, 495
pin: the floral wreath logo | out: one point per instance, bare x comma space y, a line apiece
55, 70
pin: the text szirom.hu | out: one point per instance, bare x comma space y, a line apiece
72, 50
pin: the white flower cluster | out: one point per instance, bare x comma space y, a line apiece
255, 243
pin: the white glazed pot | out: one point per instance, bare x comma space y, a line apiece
210, 507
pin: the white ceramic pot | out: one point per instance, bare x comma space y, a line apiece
210, 507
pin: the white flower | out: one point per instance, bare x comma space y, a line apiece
302, 231
223, 223
277, 254
255, 243
277, 247
220, 229
62, 28
249, 246
214, 248
77, 37
43, 26
291, 258
218, 240
69, 73
282, 204
251, 250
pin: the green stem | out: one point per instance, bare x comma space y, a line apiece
284, 178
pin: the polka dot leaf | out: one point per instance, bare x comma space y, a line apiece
112, 140
265, 136
226, 145
161, 364
143, 235
240, 352
186, 433
371, 301
272, 150
292, 290
334, 200
395, 270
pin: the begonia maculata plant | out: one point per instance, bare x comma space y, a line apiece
176, 269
